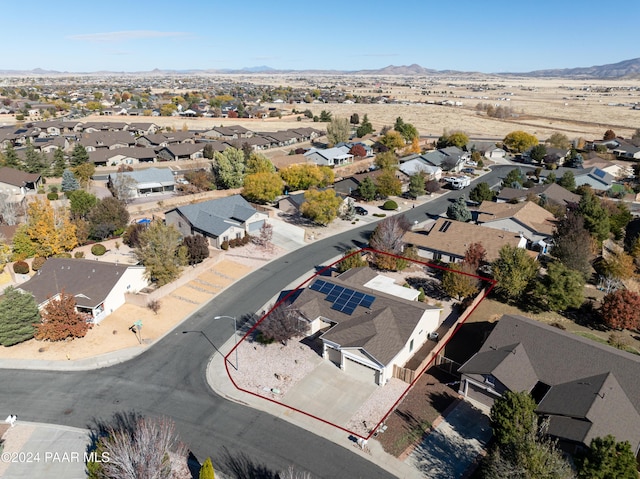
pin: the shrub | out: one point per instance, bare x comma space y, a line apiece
53, 189
21, 267
154, 305
379, 215
37, 263
224, 245
234, 242
389, 205
41, 191
78, 254
245, 239
52, 196
62, 255
98, 249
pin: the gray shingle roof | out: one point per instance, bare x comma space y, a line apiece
89, 281
588, 380
382, 331
215, 216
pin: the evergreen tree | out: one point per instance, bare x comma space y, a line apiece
79, 155
367, 189
34, 162
606, 459
596, 219
18, 313
458, 211
365, 127
69, 181
11, 157
416, 185
59, 163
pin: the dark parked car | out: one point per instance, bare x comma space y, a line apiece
361, 211
468, 170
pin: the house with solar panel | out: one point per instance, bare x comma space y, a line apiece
594, 177
367, 323
218, 220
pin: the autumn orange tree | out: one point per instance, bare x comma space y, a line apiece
621, 309
61, 321
47, 232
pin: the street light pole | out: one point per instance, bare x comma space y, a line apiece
235, 334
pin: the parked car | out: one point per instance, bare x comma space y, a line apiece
470, 171
361, 211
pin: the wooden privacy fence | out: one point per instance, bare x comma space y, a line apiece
404, 374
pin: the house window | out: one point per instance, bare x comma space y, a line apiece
179, 224
225, 238
490, 380
238, 235
437, 256
411, 345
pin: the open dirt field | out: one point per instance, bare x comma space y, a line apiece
577, 108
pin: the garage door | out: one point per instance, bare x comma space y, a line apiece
361, 372
334, 356
481, 395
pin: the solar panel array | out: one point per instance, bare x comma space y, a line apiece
345, 300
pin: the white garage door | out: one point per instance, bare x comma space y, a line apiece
360, 371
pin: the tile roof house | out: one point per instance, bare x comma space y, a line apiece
16, 182
448, 240
218, 220
527, 219
98, 287
585, 389
365, 323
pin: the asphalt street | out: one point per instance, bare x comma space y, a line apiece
169, 379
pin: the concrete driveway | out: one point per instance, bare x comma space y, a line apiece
329, 393
454, 445
44, 450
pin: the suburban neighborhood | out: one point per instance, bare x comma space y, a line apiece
438, 305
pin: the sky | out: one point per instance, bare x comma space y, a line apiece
488, 36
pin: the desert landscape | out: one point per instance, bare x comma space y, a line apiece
577, 108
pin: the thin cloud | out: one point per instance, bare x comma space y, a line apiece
108, 37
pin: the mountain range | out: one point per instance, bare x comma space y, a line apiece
627, 69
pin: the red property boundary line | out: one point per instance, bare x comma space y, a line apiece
492, 283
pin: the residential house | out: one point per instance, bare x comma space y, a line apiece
107, 140
329, 157
552, 192
419, 165
584, 389
94, 127
143, 128
232, 132
593, 177
151, 181
617, 169
489, 150
181, 151
218, 220
51, 144
16, 182
527, 219
627, 151
448, 240
349, 186
98, 287
122, 156
367, 324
